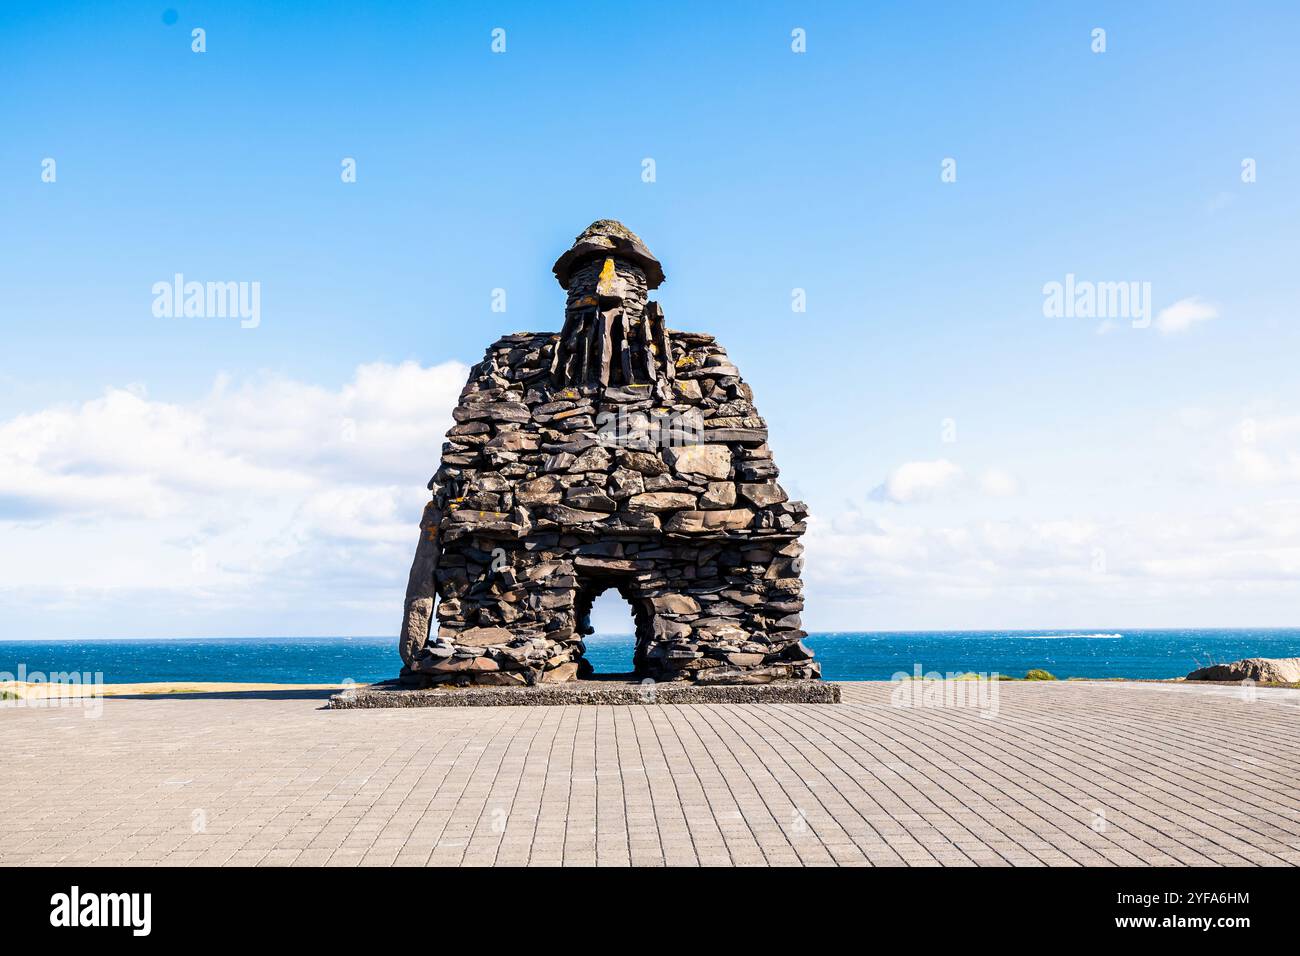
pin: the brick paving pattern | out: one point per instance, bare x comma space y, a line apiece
1064, 774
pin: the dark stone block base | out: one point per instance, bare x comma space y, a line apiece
393, 694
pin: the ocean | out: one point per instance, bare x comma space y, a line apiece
844, 656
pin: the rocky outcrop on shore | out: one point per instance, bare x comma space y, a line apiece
616, 454
1261, 670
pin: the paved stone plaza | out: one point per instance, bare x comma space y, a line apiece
1065, 773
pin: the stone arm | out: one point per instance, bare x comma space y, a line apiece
420, 587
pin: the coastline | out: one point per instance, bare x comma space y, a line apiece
15, 690
846, 656
27, 690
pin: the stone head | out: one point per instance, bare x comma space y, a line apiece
607, 264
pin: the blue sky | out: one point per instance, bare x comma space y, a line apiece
1102, 475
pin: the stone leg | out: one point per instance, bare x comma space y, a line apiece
736, 623
504, 617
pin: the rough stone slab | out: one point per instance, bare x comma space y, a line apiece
1263, 670
391, 694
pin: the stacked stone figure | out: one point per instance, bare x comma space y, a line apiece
616, 454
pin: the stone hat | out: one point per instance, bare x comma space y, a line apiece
608, 237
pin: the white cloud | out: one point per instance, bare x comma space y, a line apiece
124, 454
1266, 450
997, 483
919, 481
1206, 534
1185, 313
1152, 569
269, 492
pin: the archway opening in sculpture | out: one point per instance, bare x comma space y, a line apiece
609, 654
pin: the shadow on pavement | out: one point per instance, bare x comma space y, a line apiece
304, 694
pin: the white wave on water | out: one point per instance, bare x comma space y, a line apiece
1066, 637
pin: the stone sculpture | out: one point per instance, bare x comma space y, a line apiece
617, 454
